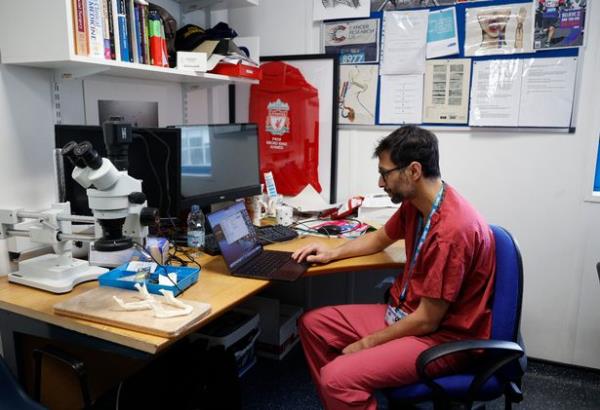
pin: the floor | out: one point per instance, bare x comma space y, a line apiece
286, 385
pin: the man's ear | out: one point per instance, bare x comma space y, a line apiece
415, 170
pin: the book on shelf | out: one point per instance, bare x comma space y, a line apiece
115, 29
95, 32
107, 30
121, 30
80, 27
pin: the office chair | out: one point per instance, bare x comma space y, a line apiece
503, 363
12, 395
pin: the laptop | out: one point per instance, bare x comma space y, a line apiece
243, 254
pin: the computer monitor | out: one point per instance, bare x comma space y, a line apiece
154, 158
219, 162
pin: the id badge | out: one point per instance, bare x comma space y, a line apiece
394, 314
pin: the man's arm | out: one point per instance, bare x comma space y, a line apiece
423, 321
365, 245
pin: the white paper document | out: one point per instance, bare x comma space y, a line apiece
401, 99
404, 42
547, 92
442, 37
308, 200
447, 91
496, 93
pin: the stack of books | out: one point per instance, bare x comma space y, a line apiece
119, 30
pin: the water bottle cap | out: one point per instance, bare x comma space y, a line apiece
195, 208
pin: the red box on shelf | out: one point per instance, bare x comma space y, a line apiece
238, 70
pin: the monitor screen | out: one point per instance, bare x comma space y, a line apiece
235, 233
218, 163
154, 158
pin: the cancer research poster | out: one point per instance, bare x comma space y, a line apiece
355, 41
503, 29
559, 24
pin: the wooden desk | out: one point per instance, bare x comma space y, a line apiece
30, 311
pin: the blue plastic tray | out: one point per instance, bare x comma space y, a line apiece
186, 277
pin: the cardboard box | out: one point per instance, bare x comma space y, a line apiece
279, 330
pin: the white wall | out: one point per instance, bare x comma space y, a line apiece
534, 184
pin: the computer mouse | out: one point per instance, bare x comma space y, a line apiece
329, 230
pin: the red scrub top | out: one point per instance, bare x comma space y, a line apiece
457, 264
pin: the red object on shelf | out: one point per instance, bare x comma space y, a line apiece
238, 70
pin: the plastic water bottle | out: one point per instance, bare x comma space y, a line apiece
195, 228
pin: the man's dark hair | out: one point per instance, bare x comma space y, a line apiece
411, 143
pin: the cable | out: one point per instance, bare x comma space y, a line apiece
118, 396
145, 252
154, 172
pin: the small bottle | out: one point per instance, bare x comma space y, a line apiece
195, 228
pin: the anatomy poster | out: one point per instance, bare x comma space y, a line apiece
505, 29
358, 94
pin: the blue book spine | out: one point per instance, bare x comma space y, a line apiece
123, 32
138, 35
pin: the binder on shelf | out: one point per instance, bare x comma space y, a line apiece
80, 27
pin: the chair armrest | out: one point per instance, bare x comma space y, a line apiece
505, 352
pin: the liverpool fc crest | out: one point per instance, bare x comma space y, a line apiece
278, 119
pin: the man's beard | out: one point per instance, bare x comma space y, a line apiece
395, 197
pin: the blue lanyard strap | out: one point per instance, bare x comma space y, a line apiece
419, 245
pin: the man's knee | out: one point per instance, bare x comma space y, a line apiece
337, 382
311, 319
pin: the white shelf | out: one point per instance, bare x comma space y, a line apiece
78, 67
193, 5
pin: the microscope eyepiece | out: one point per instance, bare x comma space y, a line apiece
68, 151
90, 156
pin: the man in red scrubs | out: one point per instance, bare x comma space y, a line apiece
444, 293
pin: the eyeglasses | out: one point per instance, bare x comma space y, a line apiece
384, 173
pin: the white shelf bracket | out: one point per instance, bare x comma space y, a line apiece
80, 72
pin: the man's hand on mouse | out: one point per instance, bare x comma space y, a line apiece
314, 253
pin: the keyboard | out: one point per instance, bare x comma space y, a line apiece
266, 235
265, 264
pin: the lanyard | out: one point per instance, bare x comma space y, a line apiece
419, 245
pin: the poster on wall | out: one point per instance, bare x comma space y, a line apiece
547, 92
340, 9
496, 93
294, 106
355, 42
401, 99
442, 33
559, 23
404, 41
446, 99
389, 5
505, 29
358, 94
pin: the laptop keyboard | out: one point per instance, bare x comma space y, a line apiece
266, 263
266, 235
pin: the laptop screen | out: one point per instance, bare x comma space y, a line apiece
235, 234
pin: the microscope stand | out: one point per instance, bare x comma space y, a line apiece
44, 272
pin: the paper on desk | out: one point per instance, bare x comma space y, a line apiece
378, 201
308, 200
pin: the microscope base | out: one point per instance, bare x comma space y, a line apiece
44, 272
